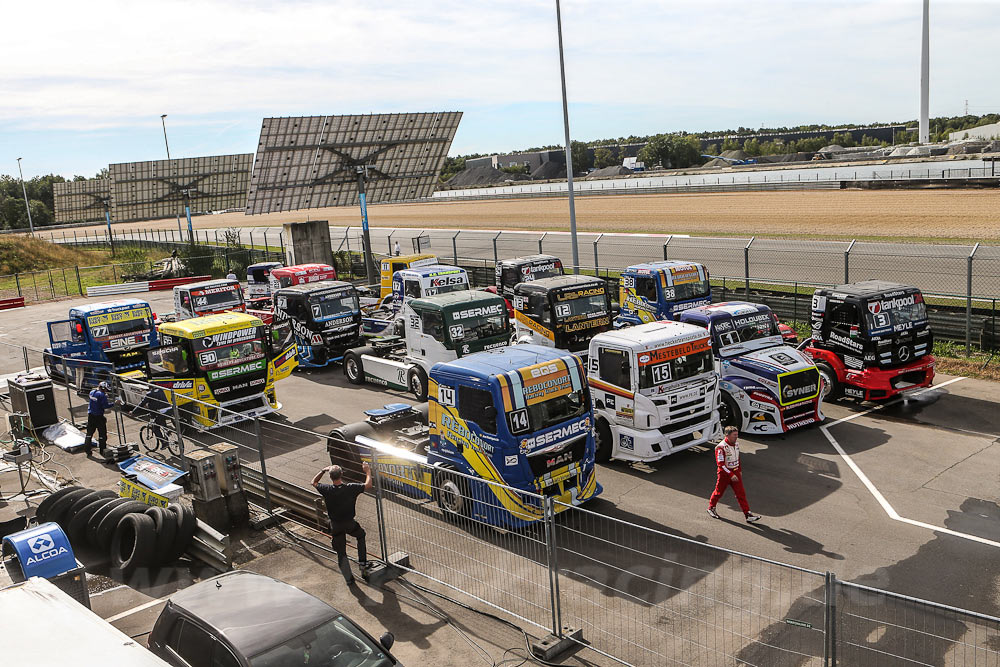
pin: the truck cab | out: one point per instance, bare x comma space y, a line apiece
655, 391
227, 360
510, 272
415, 283
871, 340
259, 280
208, 297
112, 336
325, 318
434, 329
519, 416
661, 291
563, 312
300, 274
767, 387
390, 265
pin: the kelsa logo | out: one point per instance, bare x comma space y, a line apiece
554, 436
876, 307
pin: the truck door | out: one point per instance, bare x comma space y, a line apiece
66, 337
281, 348
843, 319
614, 367
424, 332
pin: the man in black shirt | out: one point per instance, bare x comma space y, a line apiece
340, 505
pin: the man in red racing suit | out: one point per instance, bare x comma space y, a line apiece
727, 460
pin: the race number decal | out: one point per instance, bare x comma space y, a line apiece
457, 331
282, 302
518, 421
201, 301
628, 282
562, 310
519, 303
661, 373
446, 395
99, 331
207, 358
668, 293
819, 303
414, 321
316, 311
881, 320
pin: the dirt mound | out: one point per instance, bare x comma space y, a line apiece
717, 162
735, 154
549, 170
482, 176
22, 253
609, 172
832, 148
786, 157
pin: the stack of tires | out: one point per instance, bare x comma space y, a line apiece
135, 534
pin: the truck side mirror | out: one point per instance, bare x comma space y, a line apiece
387, 640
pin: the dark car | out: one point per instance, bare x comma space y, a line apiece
243, 619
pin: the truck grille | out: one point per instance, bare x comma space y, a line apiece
799, 386
798, 411
542, 464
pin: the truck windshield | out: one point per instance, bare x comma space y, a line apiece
217, 298
555, 410
478, 323
222, 350
580, 304
445, 284
336, 642
678, 368
335, 304
694, 290
901, 313
744, 328
109, 329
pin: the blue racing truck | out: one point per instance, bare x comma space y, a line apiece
661, 291
518, 418
99, 338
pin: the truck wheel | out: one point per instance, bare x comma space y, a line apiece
187, 524
343, 450
353, 368
729, 413
165, 523
76, 529
452, 495
83, 501
60, 506
41, 514
418, 384
98, 516
602, 442
133, 544
109, 524
832, 389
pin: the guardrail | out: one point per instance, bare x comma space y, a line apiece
211, 547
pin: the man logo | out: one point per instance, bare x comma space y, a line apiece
41, 544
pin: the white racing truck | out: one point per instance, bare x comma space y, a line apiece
655, 391
435, 328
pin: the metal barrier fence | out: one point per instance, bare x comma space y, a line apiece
638, 594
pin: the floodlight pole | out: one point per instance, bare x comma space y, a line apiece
24, 191
569, 148
163, 122
362, 172
187, 213
107, 218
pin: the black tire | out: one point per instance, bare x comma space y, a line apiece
832, 389
602, 442
729, 413
76, 528
148, 438
165, 522
354, 368
42, 512
187, 523
417, 383
106, 529
59, 507
82, 502
133, 543
344, 451
95, 520
452, 494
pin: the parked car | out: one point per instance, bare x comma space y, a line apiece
244, 619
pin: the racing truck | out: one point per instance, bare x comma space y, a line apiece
99, 338
871, 340
299, 274
661, 291
563, 312
325, 318
390, 265
426, 280
655, 391
206, 298
519, 417
510, 272
767, 387
259, 280
227, 360
434, 328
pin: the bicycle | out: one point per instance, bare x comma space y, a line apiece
155, 436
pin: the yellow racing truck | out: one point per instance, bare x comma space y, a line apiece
227, 360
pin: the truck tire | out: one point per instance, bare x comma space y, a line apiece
57, 511
417, 383
187, 523
423, 408
729, 413
452, 494
109, 524
602, 442
76, 528
133, 543
345, 452
83, 501
354, 367
165, 523
42, 512
98, 516
832, 389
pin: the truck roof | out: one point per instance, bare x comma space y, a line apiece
461, 297
35, 611
505, 359
302, 269
410, 258
559, 282
528, 259
217, 282
656, 267
263, 265
867, 288
308, 288
430, 270
715, 311
87, 308
196, 326
236, 603
652, 334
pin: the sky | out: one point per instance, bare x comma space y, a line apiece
85, 83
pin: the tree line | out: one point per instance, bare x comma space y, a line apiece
40, 198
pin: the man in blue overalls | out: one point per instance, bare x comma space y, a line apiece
96, 421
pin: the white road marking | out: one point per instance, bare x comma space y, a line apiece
135, 610
893, 514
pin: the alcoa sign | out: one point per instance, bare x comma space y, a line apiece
43, 551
